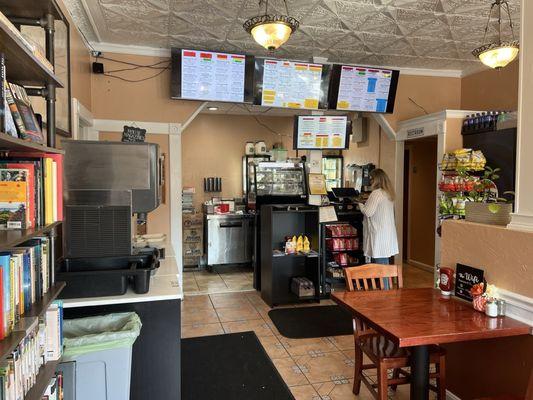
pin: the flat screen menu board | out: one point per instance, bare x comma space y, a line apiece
291, 84
211, 76
365, 89
321, 132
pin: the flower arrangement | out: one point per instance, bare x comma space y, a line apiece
481, 294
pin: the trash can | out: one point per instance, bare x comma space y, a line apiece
101, 347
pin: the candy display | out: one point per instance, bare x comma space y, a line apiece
342, 244
469, 159
340, 230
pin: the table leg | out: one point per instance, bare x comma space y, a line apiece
420, 373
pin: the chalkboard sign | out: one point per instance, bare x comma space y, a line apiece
465, 278
133, 134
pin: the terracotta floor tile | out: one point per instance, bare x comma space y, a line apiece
343, 342
289, 371
212, 287
301, 347
351, 355
243, 313
273, 347
197, 330
326, 367
304, 392
199, 317
230, 300
259, 326
192, 303
341, 390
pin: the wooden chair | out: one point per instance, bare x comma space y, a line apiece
383, 353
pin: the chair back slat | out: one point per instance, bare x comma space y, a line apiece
377, 274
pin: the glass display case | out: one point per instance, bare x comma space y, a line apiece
332, 168
248, 174
279, 182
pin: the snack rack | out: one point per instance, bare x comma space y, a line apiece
342, 247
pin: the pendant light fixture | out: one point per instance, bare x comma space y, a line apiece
271, 30
499, 53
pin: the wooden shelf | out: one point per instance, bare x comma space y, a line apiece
22, 66
13, 237
44, 377
29, 321
9, 344
39, 308
10, 143
30, 8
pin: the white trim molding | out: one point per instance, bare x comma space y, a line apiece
518, 307
521, 222
116, 125
385, 125
163, 52
428, 125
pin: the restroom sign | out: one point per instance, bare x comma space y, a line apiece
415, 132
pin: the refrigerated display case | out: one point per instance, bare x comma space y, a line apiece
332, 168
248, 180
277, 183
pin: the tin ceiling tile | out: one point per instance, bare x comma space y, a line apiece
436, 34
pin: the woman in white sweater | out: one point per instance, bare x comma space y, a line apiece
379, 237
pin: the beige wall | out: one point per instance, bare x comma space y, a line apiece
213, 145
432, 93
422, 199
141, 101
506, 257
491, 89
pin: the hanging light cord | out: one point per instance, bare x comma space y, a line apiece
499, 3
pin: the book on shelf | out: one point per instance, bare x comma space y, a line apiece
54, 391
29, 128
30, 190
18, 373
26, 277
14, 199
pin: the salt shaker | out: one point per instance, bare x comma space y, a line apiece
501, 307
491, 308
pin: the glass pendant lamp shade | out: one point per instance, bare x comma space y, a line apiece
271, 30
271, 35
498, 54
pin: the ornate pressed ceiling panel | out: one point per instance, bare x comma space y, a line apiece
430, 34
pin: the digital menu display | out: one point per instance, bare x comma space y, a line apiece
210, 76
291, 84
364, 89
321, 132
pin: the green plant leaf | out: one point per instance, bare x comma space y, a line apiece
494, 208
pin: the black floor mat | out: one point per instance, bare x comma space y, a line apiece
312, 322
229, 367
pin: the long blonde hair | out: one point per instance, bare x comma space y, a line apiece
382, 181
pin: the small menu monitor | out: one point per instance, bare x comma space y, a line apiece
211, 76
331, 132
365, 89
291, 84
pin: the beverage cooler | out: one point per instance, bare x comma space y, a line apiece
332, 168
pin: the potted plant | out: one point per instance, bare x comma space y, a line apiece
484, 204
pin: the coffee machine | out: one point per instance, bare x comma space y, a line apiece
108, 188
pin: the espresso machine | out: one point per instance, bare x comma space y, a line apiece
109, 187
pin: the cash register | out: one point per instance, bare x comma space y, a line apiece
344, 199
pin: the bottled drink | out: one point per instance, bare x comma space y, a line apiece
465, 123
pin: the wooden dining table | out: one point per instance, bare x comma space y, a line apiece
418, 318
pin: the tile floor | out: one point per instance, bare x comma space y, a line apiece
223, 280
314, 369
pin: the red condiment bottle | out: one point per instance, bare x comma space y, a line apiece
446, 281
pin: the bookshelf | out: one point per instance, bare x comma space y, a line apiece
12, 238
26, 69
21, 64
46, 373
10, 143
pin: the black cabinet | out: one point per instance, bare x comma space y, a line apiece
277, 268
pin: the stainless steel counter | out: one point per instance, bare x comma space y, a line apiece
229, 238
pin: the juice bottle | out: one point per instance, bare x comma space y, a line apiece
300, 244
307, 245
